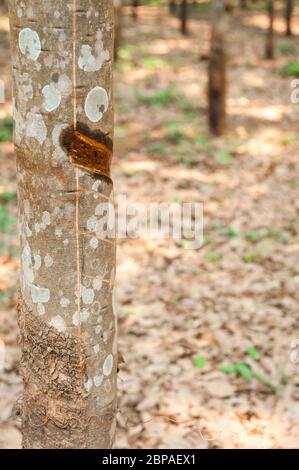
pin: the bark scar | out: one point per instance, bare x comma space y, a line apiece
89, 152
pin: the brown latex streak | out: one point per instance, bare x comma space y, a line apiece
90, 154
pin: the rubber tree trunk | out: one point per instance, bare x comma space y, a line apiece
172, 7
288, 16
217, 70
184, 17
63, 113
118, 19
269, 50
135, 5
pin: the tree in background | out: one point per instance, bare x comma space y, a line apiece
117, 26
217, 69
63, 112
269, 50
135, 5
172, 6
184, 17
288, 16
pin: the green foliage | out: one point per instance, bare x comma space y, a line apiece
231, 232
278, 235
158, 99
156, 147
265, 381
254, 236
223, 156
290, 70
288, 140
7, 196
213, 257
203, 142
202, 6
173, 132
230, 370
6, 130
250, 257
219, 228
247, 372
286, 49
125, 52
244, 370
200, 362
153, 62
6, 221
284, 378
252, 352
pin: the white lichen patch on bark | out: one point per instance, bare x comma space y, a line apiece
40, 294
84, 315
108, 365
90, 62
29, 43
36, 127
96, 104
52, 97
58, 323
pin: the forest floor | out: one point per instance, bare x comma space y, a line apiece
207, 334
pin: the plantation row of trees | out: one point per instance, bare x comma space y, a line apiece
220, 10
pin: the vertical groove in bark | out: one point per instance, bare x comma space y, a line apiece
217, 70
68, 334
288, 16
269, 51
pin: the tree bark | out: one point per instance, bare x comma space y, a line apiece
288, 16
63, 111
269, 51
135, 5
172, 7
217, 70
117, 26
184, 17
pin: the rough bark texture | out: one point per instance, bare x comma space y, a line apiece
288, 16
184, 15
62, 81
269, 51
217, 70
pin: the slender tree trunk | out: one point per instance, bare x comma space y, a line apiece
217, 70
118, 26
288, 16
269, 51
63, 112
184, 17
172, 7
135, 5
